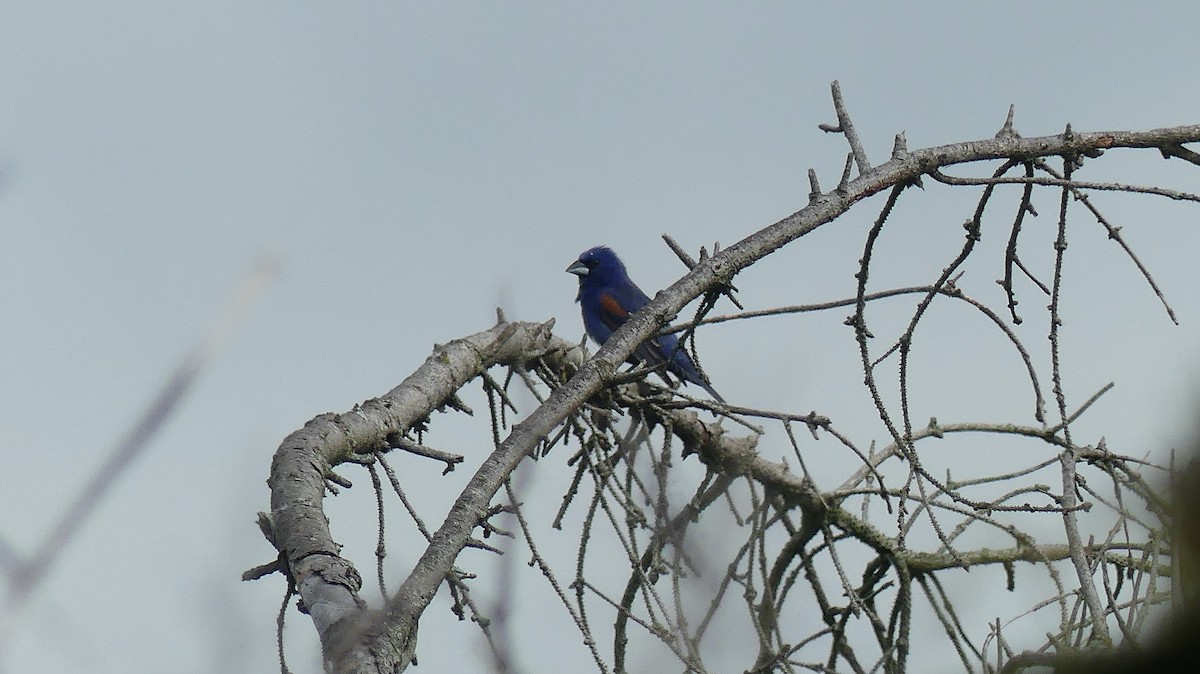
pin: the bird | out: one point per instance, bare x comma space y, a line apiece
608, 297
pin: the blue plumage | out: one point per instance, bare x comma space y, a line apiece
607, 297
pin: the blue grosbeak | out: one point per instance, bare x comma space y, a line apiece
608, 298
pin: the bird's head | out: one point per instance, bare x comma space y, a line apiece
599, 264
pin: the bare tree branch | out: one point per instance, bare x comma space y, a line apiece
356, 640
328, 584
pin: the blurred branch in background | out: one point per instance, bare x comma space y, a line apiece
26, 575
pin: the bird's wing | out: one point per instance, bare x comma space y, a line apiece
615, 306
612, 312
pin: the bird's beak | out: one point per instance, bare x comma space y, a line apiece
578, 268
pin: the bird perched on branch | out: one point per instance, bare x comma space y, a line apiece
607, 298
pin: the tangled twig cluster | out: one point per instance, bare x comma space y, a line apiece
818, 574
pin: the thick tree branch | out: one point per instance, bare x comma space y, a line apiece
328, 585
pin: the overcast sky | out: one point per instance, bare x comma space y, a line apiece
416, 166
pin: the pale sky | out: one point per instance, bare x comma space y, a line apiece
416, 166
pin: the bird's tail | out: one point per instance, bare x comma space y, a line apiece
711, 391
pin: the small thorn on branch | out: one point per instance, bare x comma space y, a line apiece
846, 172
682, 254
1007, 131
726, 288
480, 545
457, 404
263, 570
339, 480
401, 442
900, 147
1180, 152
814, 187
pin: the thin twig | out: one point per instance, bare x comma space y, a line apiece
846, 128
